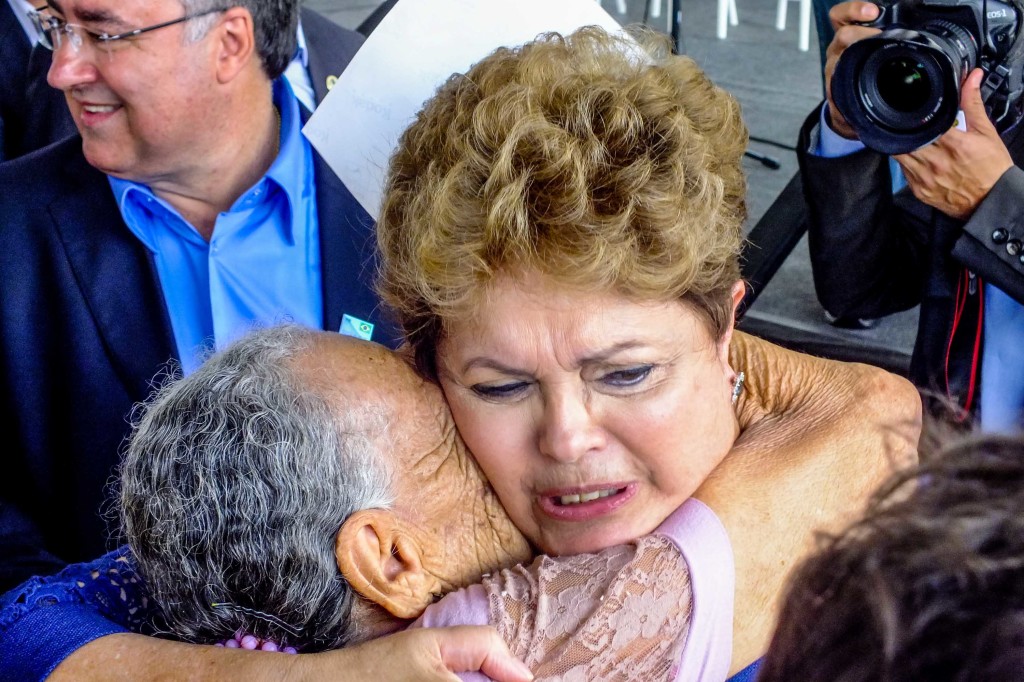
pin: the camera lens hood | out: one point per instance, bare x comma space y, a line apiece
899, 90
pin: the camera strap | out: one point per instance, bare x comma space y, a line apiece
1003, 85
968, 312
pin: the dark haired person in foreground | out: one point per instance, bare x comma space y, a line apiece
928, 586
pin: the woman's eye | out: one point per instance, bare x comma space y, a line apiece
499, 391
627, 377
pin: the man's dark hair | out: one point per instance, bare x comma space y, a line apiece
275, 23
928, 586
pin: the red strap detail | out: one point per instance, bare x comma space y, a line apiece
976, 356
961, 300
962, 294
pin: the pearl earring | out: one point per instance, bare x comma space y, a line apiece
737, 387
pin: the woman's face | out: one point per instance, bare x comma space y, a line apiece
594, 416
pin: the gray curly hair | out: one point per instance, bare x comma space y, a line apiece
234, 486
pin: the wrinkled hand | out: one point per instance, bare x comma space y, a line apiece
433, 655
956, 172
845, 18
427, 654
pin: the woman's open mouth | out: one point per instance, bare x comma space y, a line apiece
584, 505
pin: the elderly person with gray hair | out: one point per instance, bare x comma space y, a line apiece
242, 448
311, 489
235, 484
237, 481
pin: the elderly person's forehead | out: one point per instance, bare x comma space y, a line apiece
356, 371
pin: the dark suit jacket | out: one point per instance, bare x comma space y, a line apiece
329, 48
874, 253
33, 114
84, 331
14, 51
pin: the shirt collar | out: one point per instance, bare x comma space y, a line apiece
138, 205
291, 169
291, 172
21, 8
300, 51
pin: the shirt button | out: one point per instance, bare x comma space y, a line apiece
1000, 235
1013, 247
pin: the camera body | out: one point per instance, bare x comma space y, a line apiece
900, 90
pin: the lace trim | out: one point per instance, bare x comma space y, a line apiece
622, 614
109, 585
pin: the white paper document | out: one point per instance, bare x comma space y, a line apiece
418, 45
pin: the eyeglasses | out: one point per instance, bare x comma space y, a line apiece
53, 31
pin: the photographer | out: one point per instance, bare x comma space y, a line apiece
950, 240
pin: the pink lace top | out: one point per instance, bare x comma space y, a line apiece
659, 608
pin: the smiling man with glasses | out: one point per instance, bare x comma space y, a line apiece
34, 115
188, 208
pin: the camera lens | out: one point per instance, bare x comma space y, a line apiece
903, 84
900, 89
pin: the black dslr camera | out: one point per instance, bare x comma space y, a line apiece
900, 90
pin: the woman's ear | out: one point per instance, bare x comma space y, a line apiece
739, 290
382, 562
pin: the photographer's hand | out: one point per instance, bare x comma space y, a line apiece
845, 18
956, 172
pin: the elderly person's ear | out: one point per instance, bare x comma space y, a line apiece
384, 564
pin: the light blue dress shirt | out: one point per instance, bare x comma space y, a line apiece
297, 73
1002, 374
260, 267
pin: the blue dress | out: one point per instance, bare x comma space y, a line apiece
44, 620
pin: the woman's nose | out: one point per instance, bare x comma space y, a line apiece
570, 429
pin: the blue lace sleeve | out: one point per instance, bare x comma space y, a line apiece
45, 619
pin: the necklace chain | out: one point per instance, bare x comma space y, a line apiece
277, 139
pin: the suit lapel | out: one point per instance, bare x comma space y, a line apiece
346, 231
346, 249
320, 75
116, 276
329, 48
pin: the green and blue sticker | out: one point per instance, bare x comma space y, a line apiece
353, 326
